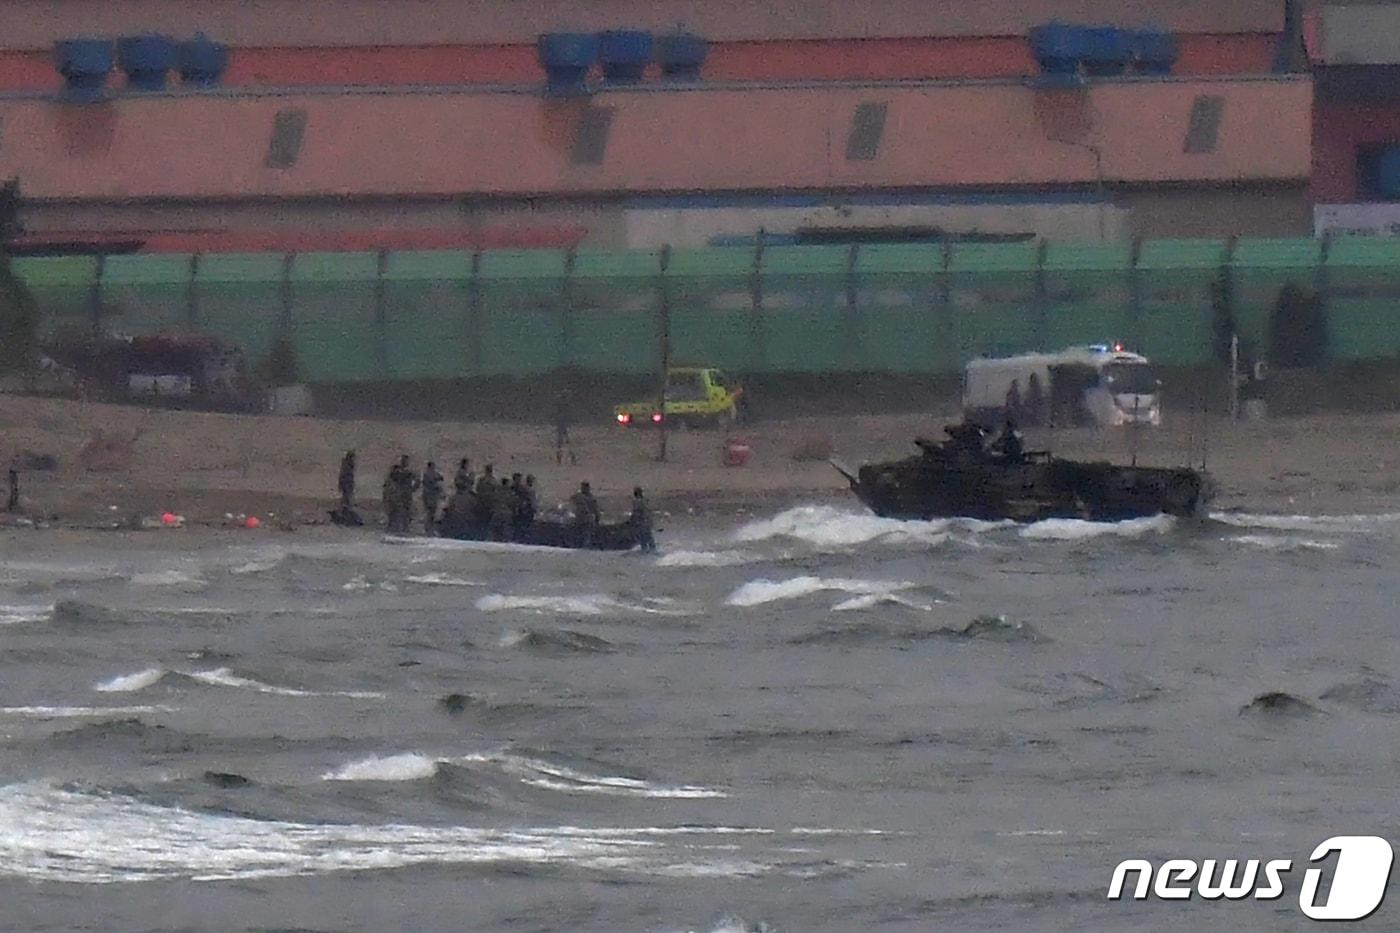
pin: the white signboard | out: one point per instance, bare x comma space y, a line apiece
1357, 219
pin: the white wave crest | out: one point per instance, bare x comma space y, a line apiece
130, 683
67, 835
826, 527
167, 578
567, 605
758, 592
440, 579
363, 584
704, 559
1286, 543
223, 677
873, 600
19, 615
1075, 529
410, 766
415, 766
1349, 524
80, 712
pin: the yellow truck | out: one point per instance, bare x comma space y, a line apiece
696, 396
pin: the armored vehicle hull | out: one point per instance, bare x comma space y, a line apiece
946, 483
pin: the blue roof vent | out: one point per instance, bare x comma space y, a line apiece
625, 54
84, 64
202, 62
1108, 51
1059, 48
146, 60
567, 58
1154, 52
681, 55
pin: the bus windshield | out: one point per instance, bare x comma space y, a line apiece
1129, 379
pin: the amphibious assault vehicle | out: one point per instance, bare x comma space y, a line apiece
960, 478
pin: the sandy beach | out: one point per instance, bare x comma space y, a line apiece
205, 466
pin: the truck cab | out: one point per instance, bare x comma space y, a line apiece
695, 396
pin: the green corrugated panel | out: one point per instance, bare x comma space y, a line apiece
1364, 251
70, 271
1276, 253
806, 260
993, 257
719, 261
1173, 255
146, 270
444, 265
617, 264
335, 267
522, 264
241, 267
900, 259
1068, 257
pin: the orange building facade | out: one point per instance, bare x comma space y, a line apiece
394, 122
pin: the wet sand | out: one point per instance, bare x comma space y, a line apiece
205, 466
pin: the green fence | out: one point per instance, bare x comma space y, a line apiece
915, 309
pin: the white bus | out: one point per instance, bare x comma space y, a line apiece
1094, 385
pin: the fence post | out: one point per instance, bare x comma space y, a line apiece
473, 322
948, 328
381, 323
663, 307
758, 353
1041, 297
1135, 297
566, 311
854, 336
1322, 284
192, 292
95, 294
284, 321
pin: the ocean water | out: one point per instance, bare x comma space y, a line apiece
817, 720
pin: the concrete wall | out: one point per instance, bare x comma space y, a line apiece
1242, 210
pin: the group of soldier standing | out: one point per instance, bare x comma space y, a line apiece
504, 507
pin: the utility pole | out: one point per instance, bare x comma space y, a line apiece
1234, 377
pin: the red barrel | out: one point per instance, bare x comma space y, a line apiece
736, 451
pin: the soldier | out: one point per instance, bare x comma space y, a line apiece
585, 508
464, 481
432, 495
406, 484
532, 499
346, 481
389, 493
486, 492
502, 512
640, 519
562, 419
1010, 444
519, 502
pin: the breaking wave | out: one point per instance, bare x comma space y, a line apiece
19, 615
556, 640
1277, 704
80, 712
592, 604
1353, 524
1285, 543
96, 837
824, 526
759, 592
704, 559
535, 772
167, 578
875, 600
1077, 529
218, 677
440, 579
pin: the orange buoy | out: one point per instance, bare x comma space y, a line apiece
252, 522
169, 518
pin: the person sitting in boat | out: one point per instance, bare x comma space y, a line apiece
1010, 445
586, 514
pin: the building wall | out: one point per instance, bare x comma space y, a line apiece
762, 60
1283, 210
768, 139
36, 24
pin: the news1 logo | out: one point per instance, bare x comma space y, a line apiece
1358, 881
